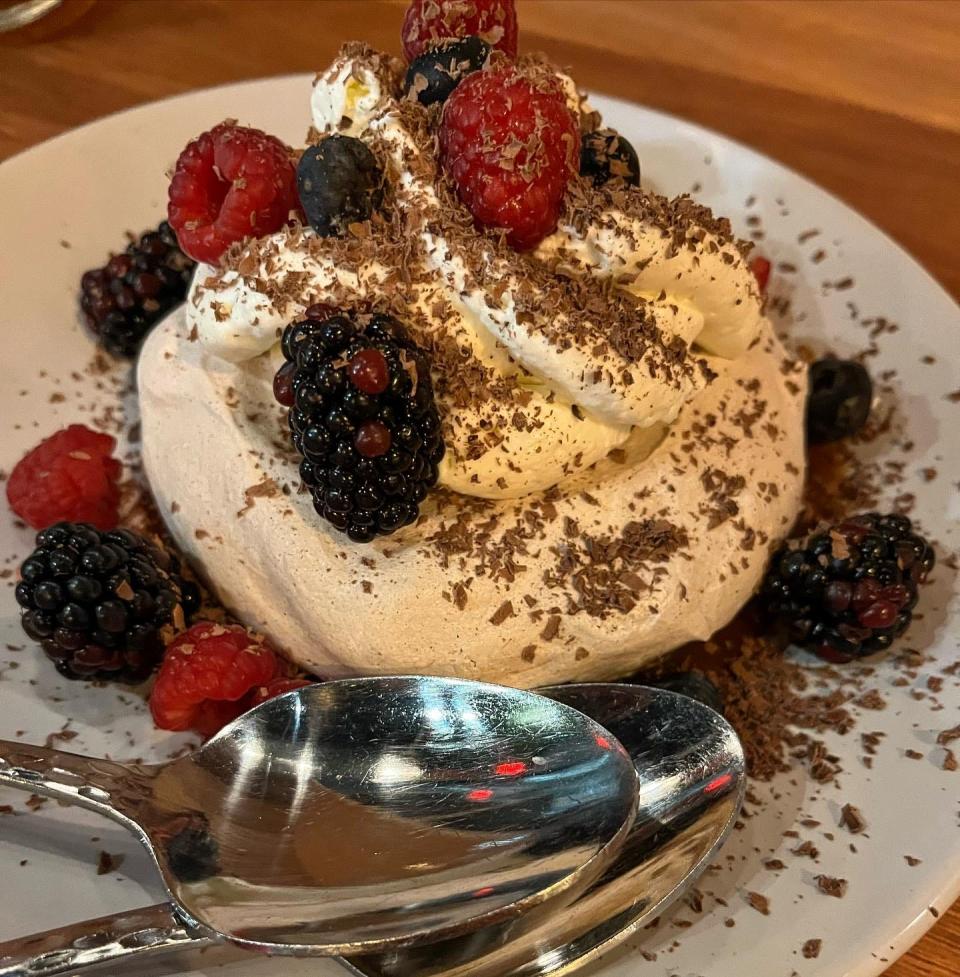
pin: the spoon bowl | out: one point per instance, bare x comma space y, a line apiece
691, 782
691, 769
366, 813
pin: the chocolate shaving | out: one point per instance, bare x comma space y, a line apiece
504, 611
266, 488
108, 863
852, 819
811, 949
759, 902
831, 886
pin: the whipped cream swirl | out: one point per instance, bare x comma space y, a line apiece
546, 364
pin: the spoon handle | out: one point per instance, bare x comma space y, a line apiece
109, 939
86, 781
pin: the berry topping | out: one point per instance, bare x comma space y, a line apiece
428, 21
340, 183
101, 603
606, 156
207, 677
510, 168
229, 184
368, 371
278, 686
283, 384
839, 399
436, 73
123, 300
373, 439
761, 271
369, 459
849, 590
72, 476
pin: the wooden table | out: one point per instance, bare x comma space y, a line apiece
862, 97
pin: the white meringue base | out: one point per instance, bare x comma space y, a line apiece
211, 431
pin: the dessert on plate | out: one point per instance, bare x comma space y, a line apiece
622, 433
472, 401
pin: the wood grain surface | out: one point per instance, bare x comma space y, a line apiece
862, 97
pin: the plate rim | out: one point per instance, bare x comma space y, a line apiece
909, 930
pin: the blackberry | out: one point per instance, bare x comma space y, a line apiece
437, 72
362, 415
839, 400
339, 182
98, 602
848, 591
606, 156
124, 299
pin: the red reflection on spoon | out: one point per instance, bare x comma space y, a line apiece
480, 794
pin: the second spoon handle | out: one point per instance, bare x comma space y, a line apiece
109, 939
96, 784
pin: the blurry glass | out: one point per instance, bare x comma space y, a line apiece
40, 18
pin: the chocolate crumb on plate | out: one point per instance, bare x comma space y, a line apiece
107, 862
759, 902
948, 736
811, 949
871, 699
832, 886
852, 819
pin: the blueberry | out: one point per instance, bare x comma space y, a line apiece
340, 183
433, 76
606, 156
838, 403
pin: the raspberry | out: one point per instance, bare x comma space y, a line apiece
229, 184
277, 687
206, 676
70, 477
510, 165
428, 21
761, 271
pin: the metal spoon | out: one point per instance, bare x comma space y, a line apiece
365, 813
691, 769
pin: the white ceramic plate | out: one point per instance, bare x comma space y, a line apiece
66, 203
